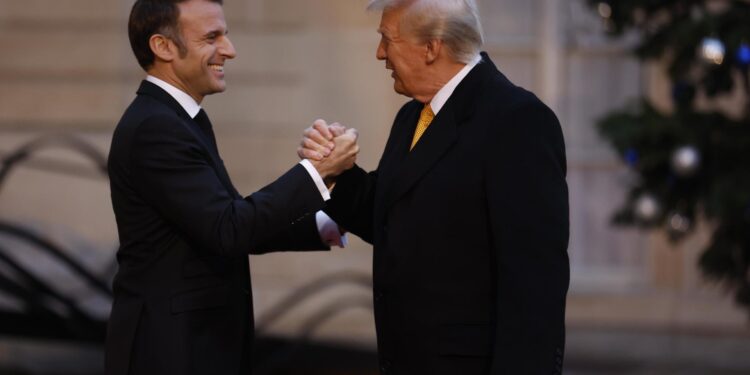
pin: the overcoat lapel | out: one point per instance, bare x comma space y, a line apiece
440, 136
437, 140
397, 149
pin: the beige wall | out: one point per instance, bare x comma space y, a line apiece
67, 67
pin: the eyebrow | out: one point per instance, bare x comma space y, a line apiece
384, 32
216, 32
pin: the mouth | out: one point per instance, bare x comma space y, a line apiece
216, 68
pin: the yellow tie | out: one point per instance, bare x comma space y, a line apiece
425, 118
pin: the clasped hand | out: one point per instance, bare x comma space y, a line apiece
332, 149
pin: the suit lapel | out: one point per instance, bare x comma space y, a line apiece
150, 89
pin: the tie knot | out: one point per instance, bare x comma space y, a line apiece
205, 126
201, 118
427, 112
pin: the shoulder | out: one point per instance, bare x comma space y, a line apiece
512, 114
149, 124
499, 94
510, 105
146, 115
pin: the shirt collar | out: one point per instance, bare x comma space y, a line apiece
446, 91
186, 101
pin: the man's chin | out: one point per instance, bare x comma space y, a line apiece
400, 90
219, 88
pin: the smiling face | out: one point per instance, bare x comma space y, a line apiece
199, 71
404, 55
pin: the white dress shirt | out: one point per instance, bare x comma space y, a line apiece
328, 229
446, 91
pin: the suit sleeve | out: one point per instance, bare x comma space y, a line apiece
351, 204
302, 235
528, 203
173, 173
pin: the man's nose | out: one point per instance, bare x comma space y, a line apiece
227, 49
380, 54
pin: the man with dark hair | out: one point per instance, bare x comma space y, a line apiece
467, 210
182, 295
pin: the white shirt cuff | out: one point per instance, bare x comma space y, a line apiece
330, 232
317, 179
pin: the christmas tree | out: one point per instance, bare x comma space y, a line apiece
693, 161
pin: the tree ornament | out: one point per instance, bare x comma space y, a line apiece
712, 50
743, 54
605, 10
647, 208
685, 161
631, 157
678, 225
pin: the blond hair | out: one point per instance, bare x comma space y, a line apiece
455, 22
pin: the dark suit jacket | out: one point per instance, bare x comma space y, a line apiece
183, 302
470, 232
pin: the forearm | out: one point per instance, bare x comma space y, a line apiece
302, 235
174, 175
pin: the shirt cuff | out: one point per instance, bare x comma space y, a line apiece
317, 179
330, 233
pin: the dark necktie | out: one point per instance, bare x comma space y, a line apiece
205, 124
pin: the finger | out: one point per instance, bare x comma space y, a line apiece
306, 153
352, 133
315, 136
311, 145
309, 154
345, 143
322, 127
337, 129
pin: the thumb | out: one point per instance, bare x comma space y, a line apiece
351, 132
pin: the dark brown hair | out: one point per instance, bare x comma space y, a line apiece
149, 17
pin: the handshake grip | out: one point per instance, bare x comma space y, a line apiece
332, 149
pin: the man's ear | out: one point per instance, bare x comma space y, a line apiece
163, 48
433, 50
